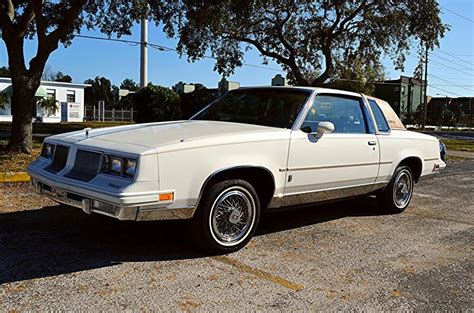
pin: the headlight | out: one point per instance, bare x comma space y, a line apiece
130, 167
118, 166
47, 151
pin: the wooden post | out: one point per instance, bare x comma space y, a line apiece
122, 114
113, 114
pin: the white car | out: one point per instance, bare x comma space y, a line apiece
252, 150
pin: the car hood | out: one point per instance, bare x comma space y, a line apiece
155, 135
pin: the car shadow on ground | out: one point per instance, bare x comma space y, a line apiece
57, 240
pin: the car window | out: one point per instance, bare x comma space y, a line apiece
344, 112
382, 124
268, 107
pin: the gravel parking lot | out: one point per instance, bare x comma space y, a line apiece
338, 256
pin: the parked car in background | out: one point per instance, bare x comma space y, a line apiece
254, 149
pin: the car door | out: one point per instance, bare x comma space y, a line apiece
345, 162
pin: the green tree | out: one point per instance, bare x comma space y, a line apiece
357, 75
60, 77
3, 100
194, 101
49, 105
307, 38
127, 102
101, 90
51, 23
156, 103
129, 84
4, 72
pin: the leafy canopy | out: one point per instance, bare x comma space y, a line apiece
308, 38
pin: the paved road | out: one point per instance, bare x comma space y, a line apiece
339, 256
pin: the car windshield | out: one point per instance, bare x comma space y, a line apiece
267, 107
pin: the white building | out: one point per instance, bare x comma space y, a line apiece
183, 88
224, 86
69, 96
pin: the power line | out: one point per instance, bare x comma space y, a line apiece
455, 13
463, 79
445, 90
164, 48
447, 81
457, 69
454, 56
454, 62
452, 85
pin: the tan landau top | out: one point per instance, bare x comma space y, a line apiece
392, 118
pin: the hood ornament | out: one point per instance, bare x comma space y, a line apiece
87, 131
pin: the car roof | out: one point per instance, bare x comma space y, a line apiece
307, 88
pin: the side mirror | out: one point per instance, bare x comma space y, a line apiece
323, 128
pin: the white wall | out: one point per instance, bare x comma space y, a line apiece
75, 109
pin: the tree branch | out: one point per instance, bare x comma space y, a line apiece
364, 5
290, 62
41, 26
26, 18
51, 41
7, 13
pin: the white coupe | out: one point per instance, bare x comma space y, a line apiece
252, 150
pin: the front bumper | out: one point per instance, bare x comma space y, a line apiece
91, 203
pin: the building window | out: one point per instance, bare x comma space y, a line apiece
71, 96
51, 94
403, 90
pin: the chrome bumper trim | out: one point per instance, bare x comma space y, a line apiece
123, 213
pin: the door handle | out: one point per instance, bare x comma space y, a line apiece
372, 143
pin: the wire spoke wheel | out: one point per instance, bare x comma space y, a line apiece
402, 189
232, 216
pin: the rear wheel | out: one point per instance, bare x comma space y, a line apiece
396, 197
227, 216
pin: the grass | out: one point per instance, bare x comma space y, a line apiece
459, 145
452, 158
58, 128
18, 162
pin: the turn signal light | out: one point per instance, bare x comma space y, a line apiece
169, 196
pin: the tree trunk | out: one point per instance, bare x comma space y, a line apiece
22, 104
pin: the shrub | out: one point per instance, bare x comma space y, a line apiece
156, 103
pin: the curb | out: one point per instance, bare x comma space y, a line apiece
14, 177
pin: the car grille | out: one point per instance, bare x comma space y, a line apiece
86, 165
59, 160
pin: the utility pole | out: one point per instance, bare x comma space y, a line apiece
470, 113
421, 80
425, 105
144, 53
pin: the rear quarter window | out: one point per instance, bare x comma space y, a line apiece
390, 115
382, 124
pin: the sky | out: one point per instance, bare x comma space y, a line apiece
451, 67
